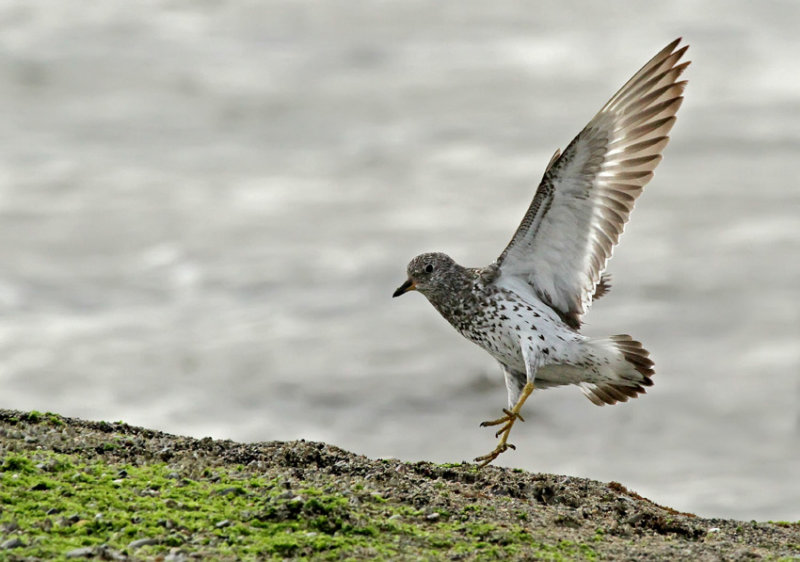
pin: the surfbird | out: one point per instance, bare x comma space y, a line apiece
526, 308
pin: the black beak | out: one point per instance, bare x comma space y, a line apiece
404, 288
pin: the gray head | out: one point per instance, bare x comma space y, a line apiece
431, 273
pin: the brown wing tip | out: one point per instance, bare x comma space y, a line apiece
670, 49
679, 55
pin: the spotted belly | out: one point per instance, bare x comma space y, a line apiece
508, 321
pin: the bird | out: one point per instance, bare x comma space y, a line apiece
526, 308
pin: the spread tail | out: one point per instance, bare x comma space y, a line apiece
625, 367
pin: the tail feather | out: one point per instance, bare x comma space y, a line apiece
630, 371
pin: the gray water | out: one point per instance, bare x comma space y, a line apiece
205, 207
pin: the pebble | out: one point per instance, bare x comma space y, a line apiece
222, 524
176, 555
84, 552
106, 553
142, 542
12, 543
636, 518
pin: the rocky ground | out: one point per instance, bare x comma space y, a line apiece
76, 489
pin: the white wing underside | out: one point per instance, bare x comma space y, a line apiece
588, 192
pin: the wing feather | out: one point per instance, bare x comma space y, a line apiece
588, 192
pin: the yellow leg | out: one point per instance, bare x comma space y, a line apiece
508, 422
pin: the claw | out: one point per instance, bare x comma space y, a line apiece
486, 459
507, 420
498, 421
509, 416
503, 429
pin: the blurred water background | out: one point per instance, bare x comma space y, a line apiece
206, 205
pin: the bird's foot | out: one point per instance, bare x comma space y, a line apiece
502, 447
507, 420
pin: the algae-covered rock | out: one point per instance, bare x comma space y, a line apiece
73, 488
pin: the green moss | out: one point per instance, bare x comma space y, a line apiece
54, 419
17, 464
470, 468
63, 502
38, 417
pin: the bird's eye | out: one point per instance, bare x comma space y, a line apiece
429, 268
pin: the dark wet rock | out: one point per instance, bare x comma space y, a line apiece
71, 520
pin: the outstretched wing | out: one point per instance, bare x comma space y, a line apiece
587, 193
